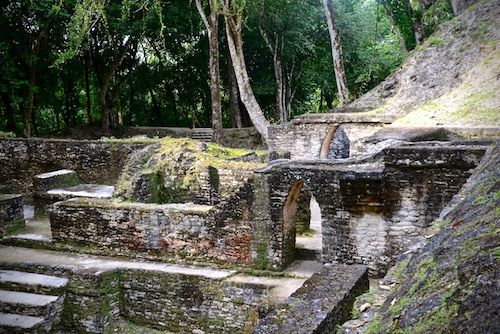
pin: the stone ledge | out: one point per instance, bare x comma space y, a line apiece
324, 301
359, 117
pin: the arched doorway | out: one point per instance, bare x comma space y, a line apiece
302, 232
309, 242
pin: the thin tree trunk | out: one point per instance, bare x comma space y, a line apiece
31, 93
131, 105
418, 28
212, 25
155, 112
234, 95
235, 43
87, 87
274, 48
402, 41
9, 113
320, 110
374, 49
338, 64
104, 77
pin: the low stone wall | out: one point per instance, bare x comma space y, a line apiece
11, 213
126, 229
93, 161
182, 303
182, 300
323, 302
175, 232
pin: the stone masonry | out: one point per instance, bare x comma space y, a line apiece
370, 211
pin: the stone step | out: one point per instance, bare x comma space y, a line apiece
34, 283
17, 323
202, 135
31, 304
57, 179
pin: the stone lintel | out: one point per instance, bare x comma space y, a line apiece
359, 117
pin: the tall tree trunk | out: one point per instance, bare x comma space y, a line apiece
235, 43
234, 95
275, 47
87, 87
402, 41
211, 22
131, 104
119, 108
418, 28
104, 77
338, 63
155, 112
31, 93
9, 112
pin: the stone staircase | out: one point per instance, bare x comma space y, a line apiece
202, 134
30, 303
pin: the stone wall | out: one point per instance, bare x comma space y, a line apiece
369, 211
304, 135
173, 232
11, 213
323, 302
93, 161
183, 303
180, 300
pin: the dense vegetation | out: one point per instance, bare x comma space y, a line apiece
146, 62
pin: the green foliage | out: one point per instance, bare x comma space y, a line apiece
162, 79
441, 11
7, 134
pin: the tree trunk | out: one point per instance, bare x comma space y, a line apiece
235, 43
274, 48
9, 113
212, 25
402, 41
418, 28
104, 77
87, 87
234, 96
155, 112
329, 101
131, 105
338, 64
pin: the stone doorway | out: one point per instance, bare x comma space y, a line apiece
309, 244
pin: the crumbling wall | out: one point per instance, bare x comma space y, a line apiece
370, 212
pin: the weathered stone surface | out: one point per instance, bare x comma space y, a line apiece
182, 170
452, 283
323, 302
11, 213
304, 136
370, 211
56, 179
167, 297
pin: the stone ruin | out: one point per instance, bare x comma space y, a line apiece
179, 203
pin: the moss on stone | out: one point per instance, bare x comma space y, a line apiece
15, 226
